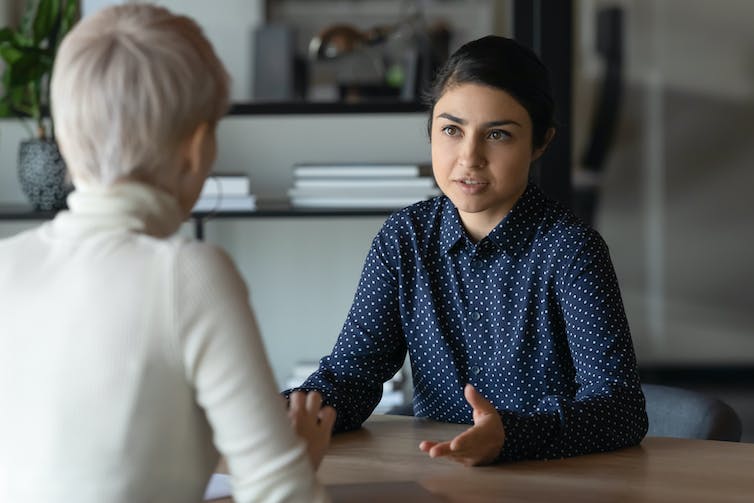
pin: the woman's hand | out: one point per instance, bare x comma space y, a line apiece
312, 422
480, 444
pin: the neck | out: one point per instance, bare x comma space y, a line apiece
133, 205
479, 225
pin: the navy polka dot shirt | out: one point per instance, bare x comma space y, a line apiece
531, 315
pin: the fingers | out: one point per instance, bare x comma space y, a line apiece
479, 444
304, 406
312, 422
448, 450
327, 416
426, 445
435, 449
438, 449
476, 400
313, 401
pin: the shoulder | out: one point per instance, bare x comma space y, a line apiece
565, 237
202, 265
561, 225
416, 221
20, 239
193, 252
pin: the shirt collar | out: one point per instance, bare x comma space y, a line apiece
510, 234
451, 228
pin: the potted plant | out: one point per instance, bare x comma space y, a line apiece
28, 53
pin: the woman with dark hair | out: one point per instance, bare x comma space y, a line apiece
507, 304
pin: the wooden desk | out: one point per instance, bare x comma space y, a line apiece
660, 470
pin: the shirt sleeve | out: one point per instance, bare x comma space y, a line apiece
608, 411
225, 360
370, 348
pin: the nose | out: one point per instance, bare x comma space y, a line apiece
471, 154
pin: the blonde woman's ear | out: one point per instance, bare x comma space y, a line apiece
196, 146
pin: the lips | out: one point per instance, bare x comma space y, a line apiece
470, 185
469, 181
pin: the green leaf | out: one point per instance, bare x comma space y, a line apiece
17, 102
29, 68
7, 35
22, 41
45, 20
5, 110
10, 55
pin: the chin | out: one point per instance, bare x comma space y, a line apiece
468, 207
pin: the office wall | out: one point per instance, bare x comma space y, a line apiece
675, 208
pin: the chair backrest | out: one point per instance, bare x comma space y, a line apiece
682, 413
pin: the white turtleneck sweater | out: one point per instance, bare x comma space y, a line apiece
129, 358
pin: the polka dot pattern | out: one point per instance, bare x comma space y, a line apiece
531, 315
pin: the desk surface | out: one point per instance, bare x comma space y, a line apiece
386, 451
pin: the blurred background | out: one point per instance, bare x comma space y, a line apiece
656, 106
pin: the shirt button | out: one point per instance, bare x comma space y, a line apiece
475, 370
476, 264
476, 315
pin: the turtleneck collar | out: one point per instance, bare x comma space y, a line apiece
131, 206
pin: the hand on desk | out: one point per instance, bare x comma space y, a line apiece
312, 422
480, 444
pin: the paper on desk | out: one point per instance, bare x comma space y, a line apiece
218, 487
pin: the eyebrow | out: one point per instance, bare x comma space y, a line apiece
487, 124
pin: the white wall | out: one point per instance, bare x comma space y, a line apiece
228, 24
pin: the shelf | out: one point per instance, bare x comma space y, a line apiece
22, 212
304, 107
16, 212
9, 212
316, 107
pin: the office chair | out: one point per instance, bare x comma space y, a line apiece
682, 413
673, 412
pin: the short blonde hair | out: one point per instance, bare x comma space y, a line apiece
130, 84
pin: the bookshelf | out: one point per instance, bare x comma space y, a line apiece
20, 212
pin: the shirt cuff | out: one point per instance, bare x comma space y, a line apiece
529, 436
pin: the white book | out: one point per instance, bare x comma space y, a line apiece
354, 202
356, 170
226, 203
226, 185
364, 182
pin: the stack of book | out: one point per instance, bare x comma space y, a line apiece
387, 186
226, 193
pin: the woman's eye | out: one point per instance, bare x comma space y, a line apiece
498, 134
450, 130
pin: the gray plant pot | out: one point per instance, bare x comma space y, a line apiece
42, 173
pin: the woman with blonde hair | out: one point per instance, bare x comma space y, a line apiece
130, 358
